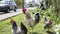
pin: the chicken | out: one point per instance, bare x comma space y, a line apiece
29, 20
16, 29
42, 6
36, 17
47, 23
14, 26
23, 28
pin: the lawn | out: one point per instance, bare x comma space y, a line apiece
5, 26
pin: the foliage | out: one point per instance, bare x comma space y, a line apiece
18, 2
56, 4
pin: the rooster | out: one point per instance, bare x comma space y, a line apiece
47, 23
29, 20
16, 29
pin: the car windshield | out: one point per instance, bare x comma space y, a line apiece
3, 2
8, 2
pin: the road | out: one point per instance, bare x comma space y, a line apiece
1, 13
7, 15
12, 13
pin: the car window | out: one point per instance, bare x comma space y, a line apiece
8, 3
3, 2
12, 3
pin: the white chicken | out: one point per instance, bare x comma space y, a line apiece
29, 20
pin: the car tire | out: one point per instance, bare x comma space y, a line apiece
14, 10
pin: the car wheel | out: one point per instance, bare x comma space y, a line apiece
14, 10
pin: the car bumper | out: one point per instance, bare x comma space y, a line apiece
3, 9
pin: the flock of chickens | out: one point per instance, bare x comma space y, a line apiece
31, 22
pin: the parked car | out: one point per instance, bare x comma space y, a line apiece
3, 7
12, 5
6, 6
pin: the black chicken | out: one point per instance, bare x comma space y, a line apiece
14, 26
23, 28
36, 17
42, 6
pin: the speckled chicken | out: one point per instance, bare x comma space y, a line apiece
47, 23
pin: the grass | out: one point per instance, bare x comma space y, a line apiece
5, 26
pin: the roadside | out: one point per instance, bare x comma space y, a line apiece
7, 15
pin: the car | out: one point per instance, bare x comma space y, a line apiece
3, 7
6, 6
12, 5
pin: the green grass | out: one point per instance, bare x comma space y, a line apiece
5, 26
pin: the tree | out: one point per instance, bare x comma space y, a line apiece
56, 4
57, 8
18, 2
49, 3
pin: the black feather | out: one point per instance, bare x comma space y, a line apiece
45, 19
37, 17
14, 25
23, 28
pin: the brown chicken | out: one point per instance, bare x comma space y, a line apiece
47, 23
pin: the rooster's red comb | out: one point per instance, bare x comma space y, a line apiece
11, 20
24, 10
